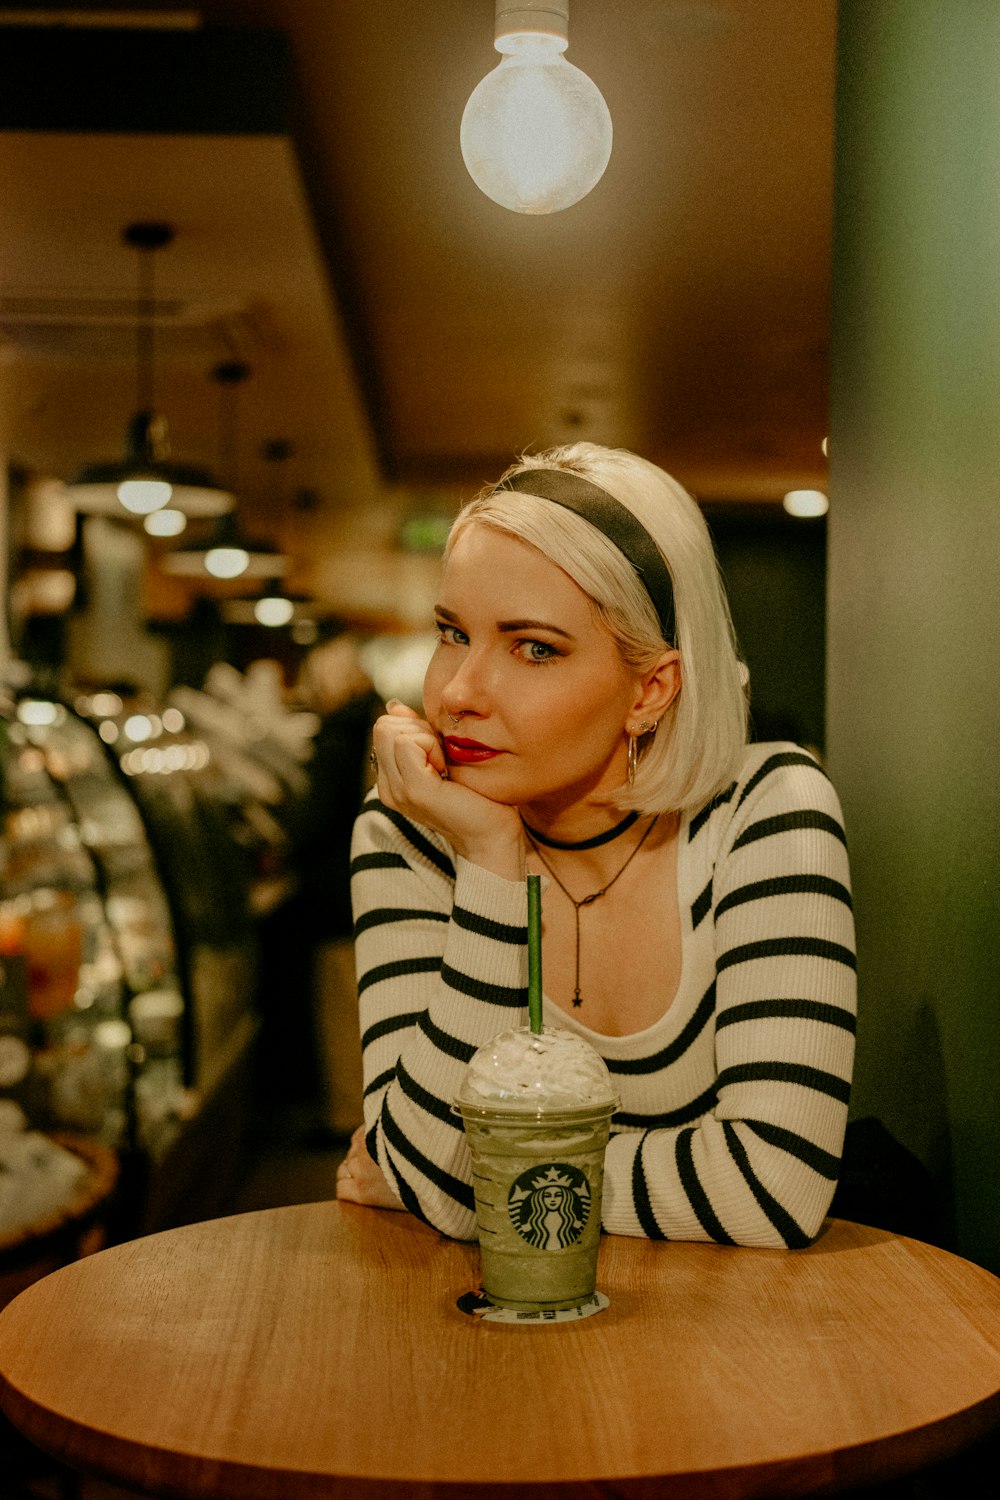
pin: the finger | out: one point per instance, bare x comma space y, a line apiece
390, 733
388, 726
392, 730
410, 749
411, 769
347, 1191
396, 710
357, 1158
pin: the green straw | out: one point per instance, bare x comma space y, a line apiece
535, 953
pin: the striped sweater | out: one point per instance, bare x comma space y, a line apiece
733, 1104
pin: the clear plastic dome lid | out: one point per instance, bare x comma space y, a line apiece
552, 1069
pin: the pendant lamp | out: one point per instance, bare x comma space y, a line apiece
275, 606
146, 479
226, 553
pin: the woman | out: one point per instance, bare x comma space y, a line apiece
584, 718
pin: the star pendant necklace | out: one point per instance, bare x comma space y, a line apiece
586, 900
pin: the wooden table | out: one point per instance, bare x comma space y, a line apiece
318, 1351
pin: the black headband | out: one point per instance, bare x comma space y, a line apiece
616, 522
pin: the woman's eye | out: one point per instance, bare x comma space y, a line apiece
450, 635
538, 651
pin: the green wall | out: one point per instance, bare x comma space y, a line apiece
913, 668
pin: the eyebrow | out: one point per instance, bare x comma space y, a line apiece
508, 627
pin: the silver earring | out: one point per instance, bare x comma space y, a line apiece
633, 747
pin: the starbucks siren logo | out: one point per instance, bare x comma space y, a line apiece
549, 1205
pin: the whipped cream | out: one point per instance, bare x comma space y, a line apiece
553, 1069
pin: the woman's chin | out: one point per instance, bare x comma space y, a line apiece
488, 781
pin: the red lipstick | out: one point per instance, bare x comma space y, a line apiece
462, 752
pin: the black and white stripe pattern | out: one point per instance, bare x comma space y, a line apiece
733, 1105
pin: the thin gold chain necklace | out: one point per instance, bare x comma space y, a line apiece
587, 900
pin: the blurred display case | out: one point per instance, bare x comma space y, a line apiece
141, 845
92, 1007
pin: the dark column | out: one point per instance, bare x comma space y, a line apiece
913, 714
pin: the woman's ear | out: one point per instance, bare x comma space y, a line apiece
657, 690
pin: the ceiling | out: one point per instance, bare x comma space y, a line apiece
405, 334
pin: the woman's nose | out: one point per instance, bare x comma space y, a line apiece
467, 689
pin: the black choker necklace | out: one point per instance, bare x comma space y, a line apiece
599, 838
594, 895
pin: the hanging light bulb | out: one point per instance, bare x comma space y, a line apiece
273, 610
274, 607
166, 522
226, 562
227, 553
806, 503
144, 496
536, 132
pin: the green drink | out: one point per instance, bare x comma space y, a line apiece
537, 1111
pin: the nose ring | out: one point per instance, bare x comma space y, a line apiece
454, 718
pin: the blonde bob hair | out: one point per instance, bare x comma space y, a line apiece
696, 749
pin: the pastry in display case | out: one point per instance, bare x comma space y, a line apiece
90, 983
143, 843
128, 980
184, 796
218, 774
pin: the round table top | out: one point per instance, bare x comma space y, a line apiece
318, 1351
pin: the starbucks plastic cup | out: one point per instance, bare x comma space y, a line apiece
537, 1111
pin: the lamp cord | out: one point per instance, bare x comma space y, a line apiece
145, 334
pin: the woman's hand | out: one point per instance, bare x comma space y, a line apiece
361, 1180
413, 779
